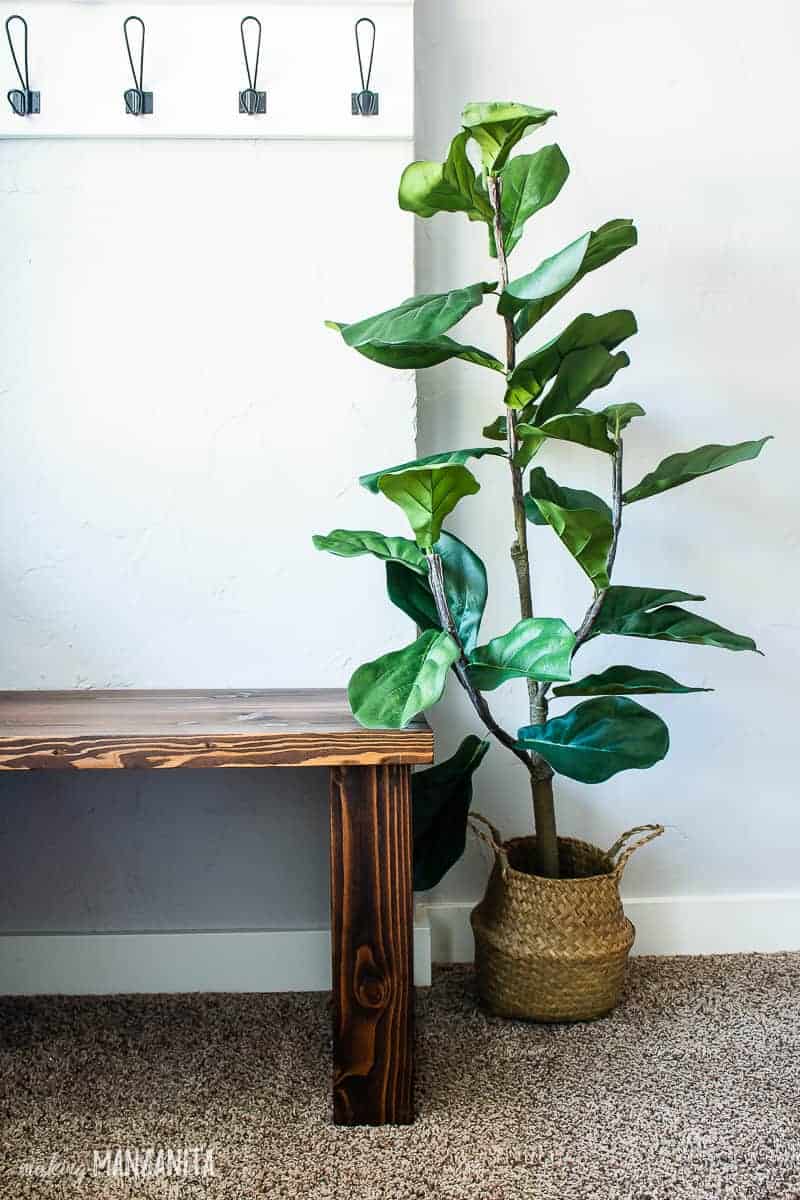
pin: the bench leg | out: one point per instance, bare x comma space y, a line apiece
372, 945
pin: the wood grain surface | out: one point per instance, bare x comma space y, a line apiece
372, 946
208, 728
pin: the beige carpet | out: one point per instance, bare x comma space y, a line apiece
690, 1090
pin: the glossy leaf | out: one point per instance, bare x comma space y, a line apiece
464, 584
587, 535
348, 543
427, 188
415, 356
599, 738
441, 797
682, 468
621, 681
621, 602
389, 692
417, 319
674, 624
584, 428
532, 374
581, 373
432, 460
604, 244
542, 487
536, 648
551, 278
529, 183
619, 416
427, 495
497, 430
497, 127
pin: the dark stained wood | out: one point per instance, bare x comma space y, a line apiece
208, 728
372, 946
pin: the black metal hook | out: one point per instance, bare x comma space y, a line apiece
137, 101
252, 101
365, 102
22, 100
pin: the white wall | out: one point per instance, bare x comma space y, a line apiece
680, 115
144, 535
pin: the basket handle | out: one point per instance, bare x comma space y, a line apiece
650, 832
490, 836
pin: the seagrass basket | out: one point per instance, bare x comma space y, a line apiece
553, 949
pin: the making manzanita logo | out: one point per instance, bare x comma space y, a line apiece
152, 1162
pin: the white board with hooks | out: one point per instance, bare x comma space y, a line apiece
194, 66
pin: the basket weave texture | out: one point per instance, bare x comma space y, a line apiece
553, 949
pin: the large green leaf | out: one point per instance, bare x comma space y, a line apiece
542, 487
597, 739
587, 535
427, 495
441, 797
536, 648
464, 584
531, 375
417, 319
414, 356
621, 602
529, 183
584, 428
682, 468
620, 681
432, 460
674, 624
581, 373
348, 543
551, 278
389, 692
603, 245
427, 188
498, 126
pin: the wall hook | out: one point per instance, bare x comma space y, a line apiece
22, 99
136, 100
252, 101
365, 102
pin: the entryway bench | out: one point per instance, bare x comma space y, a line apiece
371, 845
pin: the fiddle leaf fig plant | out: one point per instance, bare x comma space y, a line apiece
440, 582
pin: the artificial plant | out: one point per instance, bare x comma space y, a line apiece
440, 582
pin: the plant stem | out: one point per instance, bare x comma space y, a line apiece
541, 773
586, 625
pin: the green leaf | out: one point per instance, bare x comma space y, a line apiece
441, 797
621, 602
414, 356
542, 487
427, 188
581, 373
389, 692
584, 428
598, 739
432, 460
533, 373
348, 543
551, 278
427, 495
464, 584
682, 468
497, 127
587, 535
529, 183
620, 681
675, 624
619, 416
497, 431
604, 244
417, 319
536, 648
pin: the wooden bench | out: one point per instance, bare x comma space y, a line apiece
371, 845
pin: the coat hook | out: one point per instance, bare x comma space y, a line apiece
22, 99
365, 102
136, 100
252, 101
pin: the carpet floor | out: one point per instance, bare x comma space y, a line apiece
689, 1091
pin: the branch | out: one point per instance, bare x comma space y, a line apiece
587, 624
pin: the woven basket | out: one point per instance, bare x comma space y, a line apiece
553, 949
